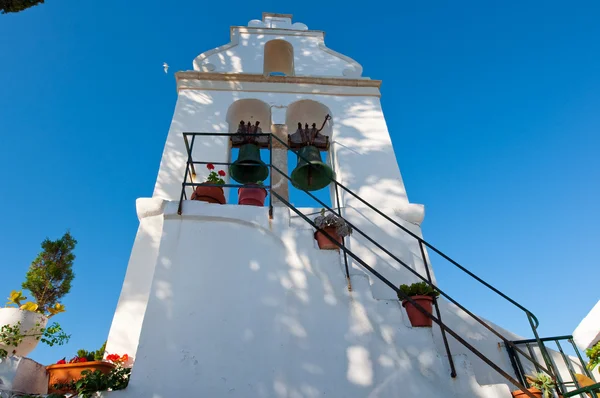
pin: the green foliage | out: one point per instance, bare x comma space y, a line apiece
594, 355
50, 274
97, 355
7, 6
91, 382
418, 289
542, 382
12, 336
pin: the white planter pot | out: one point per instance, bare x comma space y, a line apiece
31, 322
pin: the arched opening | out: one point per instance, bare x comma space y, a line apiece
309, 112
249, 111
279, 58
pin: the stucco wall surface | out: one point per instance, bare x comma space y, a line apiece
246, 306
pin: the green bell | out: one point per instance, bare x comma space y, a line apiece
311, 174
248, 167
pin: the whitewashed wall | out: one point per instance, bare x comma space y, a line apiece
223, 301
246, 306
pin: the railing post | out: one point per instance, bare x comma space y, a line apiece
439, 315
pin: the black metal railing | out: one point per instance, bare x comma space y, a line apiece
422, 243
190, 169
563, 385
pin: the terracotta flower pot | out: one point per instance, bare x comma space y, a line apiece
416, 317
65, 373
31, 323
521, 394
252, 195
209, 194
324, 242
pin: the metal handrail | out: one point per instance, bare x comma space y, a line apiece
403, 296
561, 384
437, 320
533, 321
430, 246
428, 281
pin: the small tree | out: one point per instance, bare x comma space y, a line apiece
50, 274
7, 6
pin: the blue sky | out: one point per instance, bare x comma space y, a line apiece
493, 110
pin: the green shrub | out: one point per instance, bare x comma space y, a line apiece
418, 289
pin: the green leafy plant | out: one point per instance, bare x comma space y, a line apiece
97, 355
12, 336
92, 382
50, 274
542, 382
331, 220
594, 355
418, 289
214, 177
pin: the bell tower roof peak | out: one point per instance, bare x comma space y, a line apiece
271, 20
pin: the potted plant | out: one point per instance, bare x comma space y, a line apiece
423, 294
335, 226
89, 378
594, 355
541, 386
23, 324
252, 194
211, 194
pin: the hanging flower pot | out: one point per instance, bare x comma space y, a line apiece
334, 226
423, 294
252, 195
211, 194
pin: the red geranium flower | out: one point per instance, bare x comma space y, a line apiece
210, 166
61, 362
112, 357
82, 359
221, 173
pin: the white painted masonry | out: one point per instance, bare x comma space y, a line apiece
225, 301
587, 332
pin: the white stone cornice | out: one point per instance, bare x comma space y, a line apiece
260, 78
149, 207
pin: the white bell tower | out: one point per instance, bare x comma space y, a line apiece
232, 300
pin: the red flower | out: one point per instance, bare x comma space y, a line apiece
61, 362
210, 166
125, 358
82, 359
112, 357
221, 173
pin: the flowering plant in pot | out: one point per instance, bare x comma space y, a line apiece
64, 376
335, 226
90, 381
211, 194
541, 386
423, 294
252, 194
23, 323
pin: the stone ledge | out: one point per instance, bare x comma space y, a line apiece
259, 78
